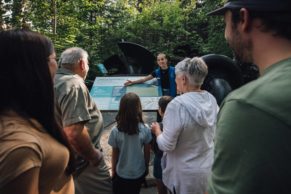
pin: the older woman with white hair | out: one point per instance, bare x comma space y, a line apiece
189, 125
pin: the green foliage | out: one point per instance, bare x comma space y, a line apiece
179, 28
160, 28
2, 12
215, 42
165, 27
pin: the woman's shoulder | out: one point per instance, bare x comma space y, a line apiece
177, 101
17, 133
171, 68
114, 130
143, 126
13, 124
23, 130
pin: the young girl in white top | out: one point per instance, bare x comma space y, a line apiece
130, 141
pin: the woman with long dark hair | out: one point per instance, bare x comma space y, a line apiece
34, 153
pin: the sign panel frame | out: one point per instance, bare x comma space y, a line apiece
108, 90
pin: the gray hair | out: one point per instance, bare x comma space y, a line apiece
194, 69
71, 56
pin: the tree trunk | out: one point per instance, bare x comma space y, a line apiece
54, 17
2, 12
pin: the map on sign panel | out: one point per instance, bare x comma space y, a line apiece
107, 92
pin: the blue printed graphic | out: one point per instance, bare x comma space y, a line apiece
101, 91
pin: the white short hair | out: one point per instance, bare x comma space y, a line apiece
71, 56
194, 69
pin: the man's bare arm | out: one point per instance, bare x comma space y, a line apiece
79, 139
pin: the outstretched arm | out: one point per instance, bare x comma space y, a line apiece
142, 80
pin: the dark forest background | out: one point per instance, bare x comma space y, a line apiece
179, 28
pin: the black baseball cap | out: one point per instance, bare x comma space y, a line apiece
256, 5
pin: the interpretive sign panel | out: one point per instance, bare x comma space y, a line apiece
107, 92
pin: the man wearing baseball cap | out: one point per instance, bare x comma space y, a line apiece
253, 140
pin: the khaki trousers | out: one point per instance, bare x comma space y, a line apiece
94, 180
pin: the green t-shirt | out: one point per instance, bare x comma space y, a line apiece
253, 140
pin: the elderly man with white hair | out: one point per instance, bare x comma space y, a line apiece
81, 120
188, 133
